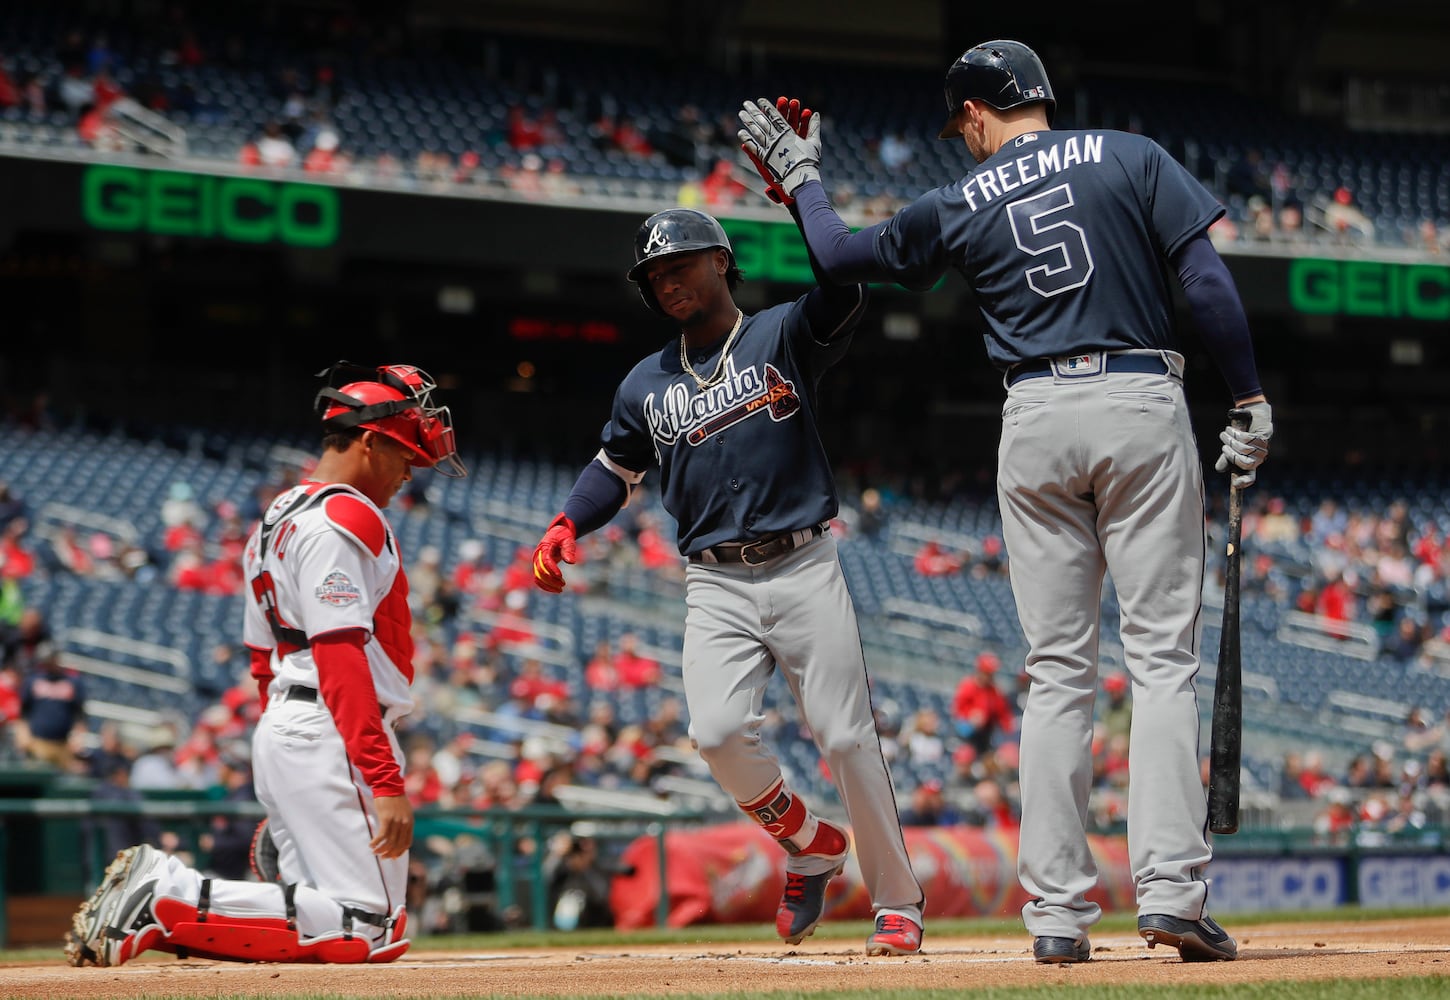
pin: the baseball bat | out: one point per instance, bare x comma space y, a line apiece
1228, 689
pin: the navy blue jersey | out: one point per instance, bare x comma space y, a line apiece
1063, 235
742, 459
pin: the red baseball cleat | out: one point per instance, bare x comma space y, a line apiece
895, 935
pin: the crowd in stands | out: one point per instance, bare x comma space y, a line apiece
534, 151
477, 658
1355, 565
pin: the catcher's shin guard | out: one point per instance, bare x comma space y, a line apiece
195, 931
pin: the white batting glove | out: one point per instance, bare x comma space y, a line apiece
1246, 449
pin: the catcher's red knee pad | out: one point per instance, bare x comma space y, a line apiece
253, 939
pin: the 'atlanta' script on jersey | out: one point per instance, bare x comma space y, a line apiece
695, 416
1056, 156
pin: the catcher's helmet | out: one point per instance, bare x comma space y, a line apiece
675, 230
395, 400
1003, 73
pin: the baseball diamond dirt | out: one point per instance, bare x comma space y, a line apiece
1320, 950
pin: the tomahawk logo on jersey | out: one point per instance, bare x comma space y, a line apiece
695, 416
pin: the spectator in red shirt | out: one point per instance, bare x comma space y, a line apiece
512, 625
471, 568
421, 782
9, 698
979, 709
932, 560
324, 157
629, 138
17, 561
656, 552
1337, 819
518, 576
721, 187
243, 700
1313, 777
531, 684
1336, 603
107, 90
633, 669
181, 536
599, 672
524, 132
9, 93
1429, 547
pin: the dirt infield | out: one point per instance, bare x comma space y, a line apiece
1268, 952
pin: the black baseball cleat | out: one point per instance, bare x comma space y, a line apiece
1061, 950
1196, 940
802, 905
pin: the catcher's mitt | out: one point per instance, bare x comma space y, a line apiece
263, 855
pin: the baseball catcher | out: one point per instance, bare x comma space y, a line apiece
328, 627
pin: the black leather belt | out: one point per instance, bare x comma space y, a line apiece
762, 549
1148, 364
299, 692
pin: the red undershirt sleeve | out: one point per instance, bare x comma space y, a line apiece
261, 668
346, 684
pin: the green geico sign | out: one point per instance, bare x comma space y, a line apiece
1370, 288
240, 209
773, 251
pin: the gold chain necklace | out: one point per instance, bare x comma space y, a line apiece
719, 372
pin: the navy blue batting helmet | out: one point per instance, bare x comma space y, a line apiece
1002, 73
675, 230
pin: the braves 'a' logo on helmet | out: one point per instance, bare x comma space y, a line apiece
659, 239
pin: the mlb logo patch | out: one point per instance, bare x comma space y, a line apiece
1078, 365
337, 590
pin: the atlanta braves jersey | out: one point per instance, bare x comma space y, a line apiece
713, 446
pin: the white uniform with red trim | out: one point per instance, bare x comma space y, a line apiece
323, 560
331, 565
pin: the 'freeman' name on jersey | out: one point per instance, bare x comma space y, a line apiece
993, 182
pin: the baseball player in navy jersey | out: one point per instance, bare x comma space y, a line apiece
329, 630
727, 413
1069, 240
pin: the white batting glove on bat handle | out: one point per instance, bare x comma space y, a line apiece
791, 159
1246, 442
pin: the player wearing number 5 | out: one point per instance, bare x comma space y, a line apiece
1070, 240
727, 412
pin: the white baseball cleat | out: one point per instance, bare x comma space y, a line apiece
117, 922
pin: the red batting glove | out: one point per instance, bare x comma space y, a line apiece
558, 543
796, 117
